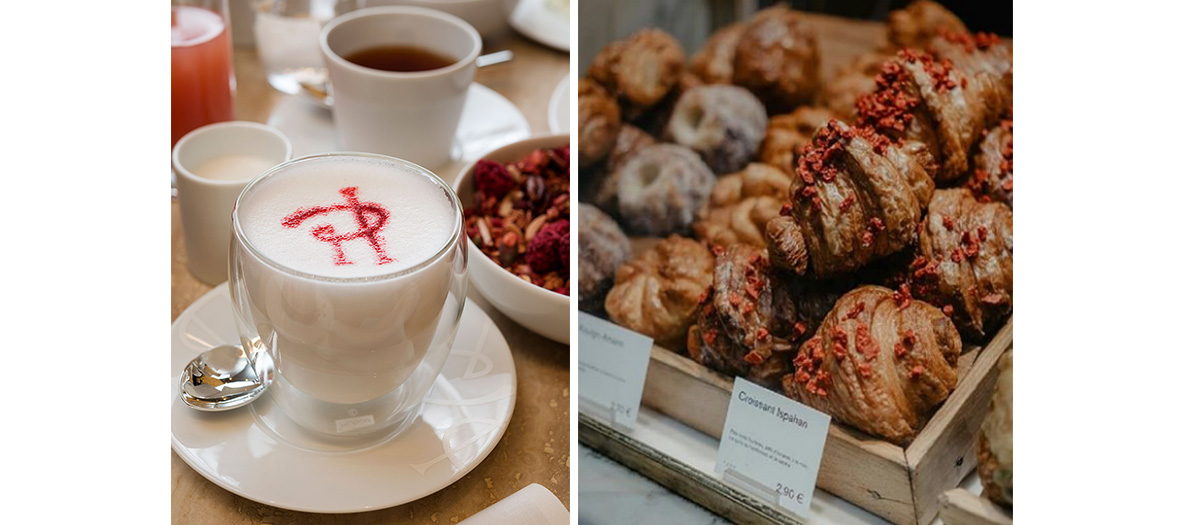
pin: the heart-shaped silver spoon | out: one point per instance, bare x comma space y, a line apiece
222, 378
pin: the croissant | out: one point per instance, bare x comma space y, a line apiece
658, 293
920, 22
739, 330
982, 57
741, 204
857, 198
964, 262
932, 102
992, 178
641, 69
776, 58
880, 362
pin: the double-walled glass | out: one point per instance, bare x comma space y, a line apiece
350, 356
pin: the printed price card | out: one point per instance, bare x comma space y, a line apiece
772, 446
612, 366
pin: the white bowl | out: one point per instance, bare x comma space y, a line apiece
489, 17
540, 310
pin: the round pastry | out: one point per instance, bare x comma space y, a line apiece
660, 189
659, 292
741, 204
850, 82
641, 69
605, 194
995, 439
713, 64
724, 124
776, 58
602, 247
919, 22
598, 122
787, 134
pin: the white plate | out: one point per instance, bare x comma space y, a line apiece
489, 121
540, 21
258, 453
559, 107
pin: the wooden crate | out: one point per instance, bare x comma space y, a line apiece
902, 485
899, 484
663, 468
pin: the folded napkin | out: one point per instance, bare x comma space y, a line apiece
532, 505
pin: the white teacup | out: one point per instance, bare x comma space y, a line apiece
409, 115
213, 164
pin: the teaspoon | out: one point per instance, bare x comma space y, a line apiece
222, 378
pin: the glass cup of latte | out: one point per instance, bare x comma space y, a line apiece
348, 273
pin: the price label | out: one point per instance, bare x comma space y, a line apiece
612, 366
772, 446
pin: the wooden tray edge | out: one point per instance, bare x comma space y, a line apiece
705, 490
961, 507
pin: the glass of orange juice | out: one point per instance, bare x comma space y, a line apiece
202, 65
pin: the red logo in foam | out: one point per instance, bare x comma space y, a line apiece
370, 219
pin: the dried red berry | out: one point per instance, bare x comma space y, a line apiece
545, 250
754, 358
492, 178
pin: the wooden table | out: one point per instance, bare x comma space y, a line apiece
536, 446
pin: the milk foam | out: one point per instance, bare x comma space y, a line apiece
420, 216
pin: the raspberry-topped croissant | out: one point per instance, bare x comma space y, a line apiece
924, 100
755, 315
982, 57
858, 197
991, 180
739, 330
965, 261
881, 362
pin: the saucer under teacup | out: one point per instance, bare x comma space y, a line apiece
259, 453
489, 121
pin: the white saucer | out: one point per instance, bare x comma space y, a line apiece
559, 107
489, 121
258, 453
538, 21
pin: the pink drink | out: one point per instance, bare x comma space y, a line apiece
202, 74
